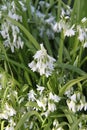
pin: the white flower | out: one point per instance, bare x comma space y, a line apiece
31, 125
62, 25
3, 115
10, 111
84, 20
40, 89
43, 63
72, 106
85, 107
80, 106
15, 16
85, 45
32, 65
73, 97
31, 95
51, 107
9, 128
4, 29
55, 27
46, 113
43, 3
40, 15
10, 32
69, 32
49, 20
7, 112
55, 123
54, 97
41, 53
15, 41
3, 7
42, 103
69, 92
22, 5
82, 33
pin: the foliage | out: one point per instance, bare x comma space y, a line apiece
43, 74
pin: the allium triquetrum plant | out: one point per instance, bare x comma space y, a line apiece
43, 65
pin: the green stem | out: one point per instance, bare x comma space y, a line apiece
27, 78
80, 56
83, 61
69, 2
2, 125
75, 48
59, 10
60, 54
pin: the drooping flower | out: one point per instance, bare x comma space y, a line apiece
71, 105
85, 45
42, 63
54, 97
51, 107
42, 103
40, 89
82, 34
84, 20
7, 112
77, 102
69, 31
31, 95
65, 27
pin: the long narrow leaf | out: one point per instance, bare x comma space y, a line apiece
70, 84
28, 115
70, 67
76, 123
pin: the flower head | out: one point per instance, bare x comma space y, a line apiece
31, 95
42, 63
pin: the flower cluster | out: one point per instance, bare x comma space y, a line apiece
82, 33
76, 101
7, 112
11, 33
42, 63
46, 102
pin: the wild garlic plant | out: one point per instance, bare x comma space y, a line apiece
43, 73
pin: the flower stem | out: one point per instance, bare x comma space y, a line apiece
59, 10
60, 54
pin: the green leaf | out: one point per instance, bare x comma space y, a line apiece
28, 115
70, 84
74, 126
70, 67
79, 11
32, 104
